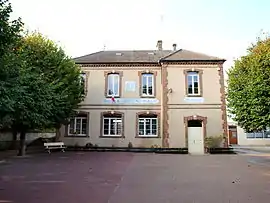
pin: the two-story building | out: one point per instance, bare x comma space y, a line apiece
167, 98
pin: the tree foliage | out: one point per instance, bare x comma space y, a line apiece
49, 62
10, 35
249, 87
40, 86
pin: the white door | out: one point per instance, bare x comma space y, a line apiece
195, 140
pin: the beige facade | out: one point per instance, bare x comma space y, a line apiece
169, 107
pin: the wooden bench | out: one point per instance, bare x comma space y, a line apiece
54, 145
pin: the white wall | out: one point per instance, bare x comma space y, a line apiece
243, 140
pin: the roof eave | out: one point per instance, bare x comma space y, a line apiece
127, 62
194, 60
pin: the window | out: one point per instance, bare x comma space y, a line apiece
147, 126
193, 83
258, 135
78, 126
113, 85
112, 125
147, 84
83, 82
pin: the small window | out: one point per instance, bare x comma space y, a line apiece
112, 125
147, 84
113, 82
78, 126
148, 126
83, 81
193, 83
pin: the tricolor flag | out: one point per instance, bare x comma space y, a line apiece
113, 99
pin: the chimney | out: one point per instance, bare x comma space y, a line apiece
174, 47
159, 45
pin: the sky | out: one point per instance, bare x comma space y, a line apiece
222, 28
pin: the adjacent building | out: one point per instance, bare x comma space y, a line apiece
145, 98
238, 136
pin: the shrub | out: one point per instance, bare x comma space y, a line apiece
89, 145
130, 145
213, 141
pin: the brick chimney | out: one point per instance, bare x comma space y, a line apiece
159, 45
174, 47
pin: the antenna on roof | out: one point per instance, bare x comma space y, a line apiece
104, 47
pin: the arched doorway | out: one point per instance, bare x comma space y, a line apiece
195, 134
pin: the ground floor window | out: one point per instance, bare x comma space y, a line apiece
258, 135
78, 125
147, 126
112, 125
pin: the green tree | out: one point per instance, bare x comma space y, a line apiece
10, 35
249, 87
50, 86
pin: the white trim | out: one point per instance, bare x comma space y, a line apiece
115, 120
148, 75
193, 75
75, 125
113, 76
144, 127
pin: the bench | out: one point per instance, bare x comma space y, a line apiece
54, 145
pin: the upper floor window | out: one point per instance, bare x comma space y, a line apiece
147, 84
113, 85
78, 125
83, 81
193, 82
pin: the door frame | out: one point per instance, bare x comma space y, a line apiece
204, 122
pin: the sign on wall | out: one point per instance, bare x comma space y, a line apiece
194, 99
131, 101
130, 86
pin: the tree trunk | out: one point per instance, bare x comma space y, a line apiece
14, 139
22, 144
57, 133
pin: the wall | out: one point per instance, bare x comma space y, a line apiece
177, 128
96, 83
129, 131
94, 104
29, 136
210, 83
243, 140
178, 107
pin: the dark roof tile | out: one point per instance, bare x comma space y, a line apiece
143, 56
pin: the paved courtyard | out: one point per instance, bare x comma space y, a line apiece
95, 177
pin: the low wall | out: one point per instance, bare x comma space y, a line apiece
6, 138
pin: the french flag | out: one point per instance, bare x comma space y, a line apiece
113, 99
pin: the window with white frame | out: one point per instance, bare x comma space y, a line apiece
147, 84
112, 125
148, 126
113, 82
78, 126
258, 135
193, 83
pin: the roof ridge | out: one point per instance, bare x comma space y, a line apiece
162, 58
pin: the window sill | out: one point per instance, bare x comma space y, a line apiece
78, 136
109, 136
112, 97
146, 96
145, 136
199, 95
